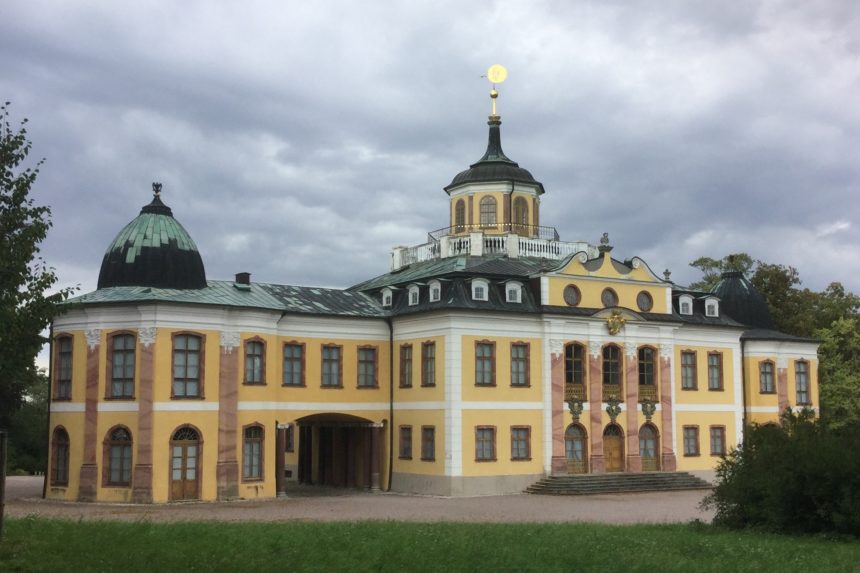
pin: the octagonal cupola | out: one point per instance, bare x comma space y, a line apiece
153, 250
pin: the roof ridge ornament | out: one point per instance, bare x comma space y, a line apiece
156, 189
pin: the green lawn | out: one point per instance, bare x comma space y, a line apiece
75, 547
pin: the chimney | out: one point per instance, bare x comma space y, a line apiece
243, 278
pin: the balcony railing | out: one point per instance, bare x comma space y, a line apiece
611, 391
532, 231
574, 392
647, 392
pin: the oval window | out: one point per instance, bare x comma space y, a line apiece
572, 296
609, 298
644, 301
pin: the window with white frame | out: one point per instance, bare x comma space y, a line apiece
712, 307
685, 305
479, 289
513, 292
435, 291
386, 297
413, 295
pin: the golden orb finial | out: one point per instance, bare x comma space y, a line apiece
496, 74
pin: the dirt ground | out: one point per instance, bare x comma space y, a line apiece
305, 503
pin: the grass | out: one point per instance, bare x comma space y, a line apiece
33, 544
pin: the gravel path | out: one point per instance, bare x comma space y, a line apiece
318, 504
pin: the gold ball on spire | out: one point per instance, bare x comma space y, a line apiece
494, 94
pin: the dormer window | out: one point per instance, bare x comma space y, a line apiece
386, 297
413, 295
513, 292
685, 305
480, 289
435, 291
712, 307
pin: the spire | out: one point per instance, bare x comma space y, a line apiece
496, 74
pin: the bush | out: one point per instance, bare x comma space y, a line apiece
799, 477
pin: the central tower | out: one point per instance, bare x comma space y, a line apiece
495, 195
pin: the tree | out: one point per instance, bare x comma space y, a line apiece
713, 268
26, 304
839, 371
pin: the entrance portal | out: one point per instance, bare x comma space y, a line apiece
648, 448
339, 450
613, 449
184, 453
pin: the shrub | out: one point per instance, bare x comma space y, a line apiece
799, 477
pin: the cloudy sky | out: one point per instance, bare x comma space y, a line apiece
300, 141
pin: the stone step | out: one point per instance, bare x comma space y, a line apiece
589, 484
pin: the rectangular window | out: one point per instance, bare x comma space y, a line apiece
428, 364
122, 366
405, 442
428, 443
688, 371
63, 389
294, 365
255, 362
60, 461
485, 364
519, 364
485, 443
691, 440
521, 443
801, 380
367, 367
715, 371
187, 366
119, 471
574, 368
252, 466
332, 371
406, 366
718, 441
765, 377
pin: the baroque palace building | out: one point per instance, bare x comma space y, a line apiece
490, 356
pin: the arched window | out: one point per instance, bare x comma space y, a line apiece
255, 362
646, 366
521, 214
460, 216
118, 451
611, 365
60, 457
252, 466
488, 211
63, 363
576, 448
766, 377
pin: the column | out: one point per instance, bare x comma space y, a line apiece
227, 469
559, 462
89, 468
667, 443
142, 479
631, 386
374, 460
595, 404
280, 448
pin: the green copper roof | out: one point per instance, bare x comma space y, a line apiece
151, 230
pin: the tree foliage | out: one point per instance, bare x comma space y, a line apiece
713, 268
26, 302
795, 478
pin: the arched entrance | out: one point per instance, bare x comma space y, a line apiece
340, 450
184, 464
613, 448
648, 448
576, 449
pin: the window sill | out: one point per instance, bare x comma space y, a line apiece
253, 480
330, 387
428, 385
718, 454
404, 458
428, 459
63, 399
767, 392
716, 389
119, 398
493, 385
253, 383
486, 460
521, 459
376, 387
521, 385
694, 389
405, 387
117, 485
201, 398
302, 385
692, 455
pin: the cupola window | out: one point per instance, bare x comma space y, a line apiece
460, 216
488, 211
521, 215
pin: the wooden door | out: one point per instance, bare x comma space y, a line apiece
613, 449
576, 450
648, 449
184, 474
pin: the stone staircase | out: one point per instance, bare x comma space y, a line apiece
590, 484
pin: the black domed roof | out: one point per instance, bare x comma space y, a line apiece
494, 165
154, 250
740, 299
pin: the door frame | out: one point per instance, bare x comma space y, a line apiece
656, 432
620, 438
171, 443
